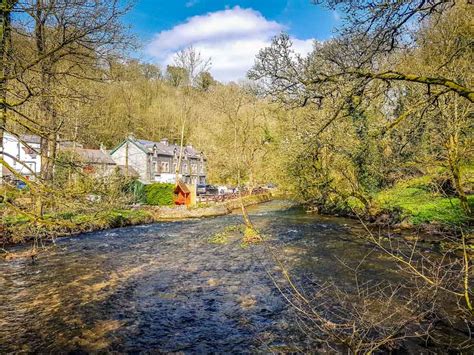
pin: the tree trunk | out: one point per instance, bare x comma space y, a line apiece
452, 146
5, 48
453, 160
181, 149
49, 142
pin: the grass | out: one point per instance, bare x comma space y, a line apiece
420, 205
223, 236
19, 228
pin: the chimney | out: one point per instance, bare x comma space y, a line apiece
164, 141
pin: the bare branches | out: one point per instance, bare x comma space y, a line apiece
385, 23
193, 63
396, 76
380, 315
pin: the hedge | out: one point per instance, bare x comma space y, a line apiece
159, 194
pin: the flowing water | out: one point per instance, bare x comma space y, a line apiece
166, 288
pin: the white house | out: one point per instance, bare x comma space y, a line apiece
22, 153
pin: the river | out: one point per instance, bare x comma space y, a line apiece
166, 288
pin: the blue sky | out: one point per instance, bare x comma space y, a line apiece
229, 32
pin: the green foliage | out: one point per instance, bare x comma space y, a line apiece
13, 220
250, 233
251, 236
176, 76
159, 194
66, 166
10, 193
420, 205
137, 189
355, 205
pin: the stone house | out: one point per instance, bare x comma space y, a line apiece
157, 161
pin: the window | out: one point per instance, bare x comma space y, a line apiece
30, 151
193, 168
165, 167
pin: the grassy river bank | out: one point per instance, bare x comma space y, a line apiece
22, 228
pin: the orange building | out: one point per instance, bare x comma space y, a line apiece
182, 194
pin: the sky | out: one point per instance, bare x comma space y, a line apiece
229, 32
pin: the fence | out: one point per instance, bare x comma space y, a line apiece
206, 198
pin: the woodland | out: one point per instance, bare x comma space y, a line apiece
378, 118
375, 123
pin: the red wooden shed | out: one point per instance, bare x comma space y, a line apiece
182, 194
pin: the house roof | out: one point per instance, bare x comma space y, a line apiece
5, 171
30, 138
162, 148
182, 186
26, 138
92, 156
133, 141
169, 149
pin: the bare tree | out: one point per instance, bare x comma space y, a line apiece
6, 8
194, 64
240, 112
73, 38
54, 47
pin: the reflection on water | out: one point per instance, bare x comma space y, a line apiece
164, 287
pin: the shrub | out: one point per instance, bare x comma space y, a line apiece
136, 189
159, 194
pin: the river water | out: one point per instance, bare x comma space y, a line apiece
166, 288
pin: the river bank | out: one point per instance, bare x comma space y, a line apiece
24, 230
426, 203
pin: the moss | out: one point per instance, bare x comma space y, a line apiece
121, 218
223, 236
15, 220
420, 205
219, 238
355, 204
18, 228
251, 236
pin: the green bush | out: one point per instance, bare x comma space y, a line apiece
159, 194
137, 189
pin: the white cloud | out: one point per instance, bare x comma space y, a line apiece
231, 37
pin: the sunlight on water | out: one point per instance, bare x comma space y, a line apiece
164, 287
